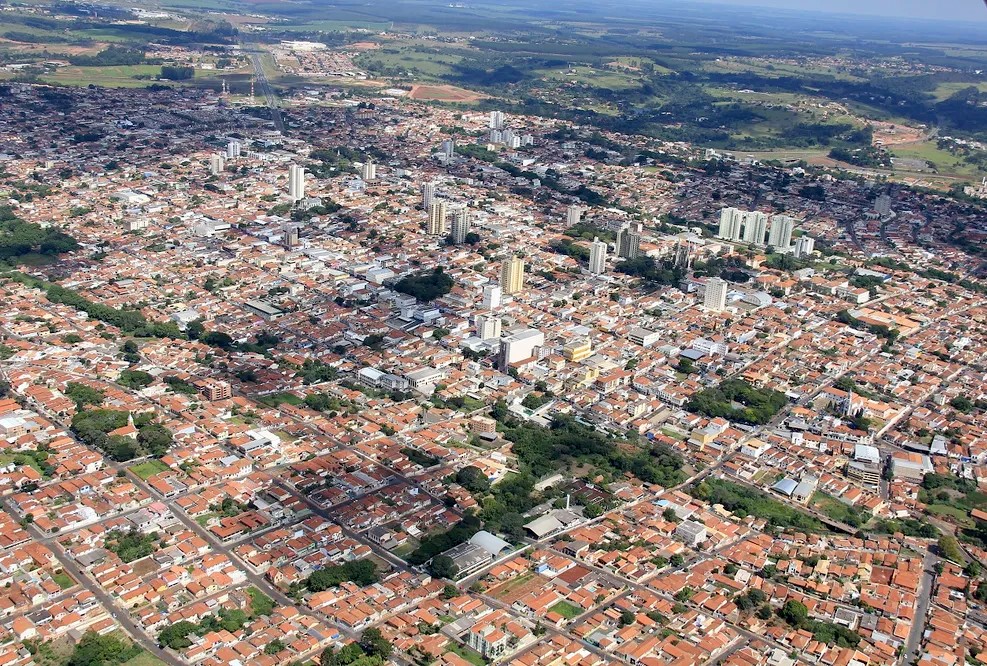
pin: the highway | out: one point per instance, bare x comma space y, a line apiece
263, 86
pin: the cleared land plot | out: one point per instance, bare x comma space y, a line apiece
444, 94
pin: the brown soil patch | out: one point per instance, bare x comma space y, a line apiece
444, 94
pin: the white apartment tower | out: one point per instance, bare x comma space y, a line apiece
488, 327
804, 246
233, 149
437, 218
216, 164
491, 297
629, 240
449, 148
755, 227
369, 171
296, 182
780, 236
428, 193
731, 221
496, 120
573, 215
597, 257
716, 294
460, 224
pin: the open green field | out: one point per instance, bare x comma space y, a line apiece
959, 515
63, 579
470, 655
591, 76
945, 90
566, 610
20, 459
945, 163
144, 659
339, 26
419, 62
149, 468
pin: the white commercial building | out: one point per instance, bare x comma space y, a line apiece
520, 346
491, 297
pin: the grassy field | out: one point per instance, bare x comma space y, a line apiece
946, 164
566, 610
837, 510
599, 78
946, 511
147, 469
20, 459
472, 656
945, 90
63, 579
338, 26
420, 64
118, 76
144, 659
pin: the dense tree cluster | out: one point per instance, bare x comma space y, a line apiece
93, 426
18, 238
542, 450
177, 72
796, 614
743, 501
756, 406
361, 572
425, 286
176, 636
434, 544
96, 650
131, 545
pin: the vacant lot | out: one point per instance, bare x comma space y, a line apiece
444, 94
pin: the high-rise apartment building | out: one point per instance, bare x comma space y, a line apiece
233, 149
716, 294
512, 275
428, 193
597, 257
731, 221
491, 297
296, 182
496, 120
573, 215
755, 227
369, 171
629, 240
460, 224
449, 148
882, 205
780, 236
488, 327
804, 246
216, 164
437, 218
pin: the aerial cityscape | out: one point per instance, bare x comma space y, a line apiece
494, 332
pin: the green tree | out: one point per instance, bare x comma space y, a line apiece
442, 566
949, 548
794, 613
84, 395
374, 644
